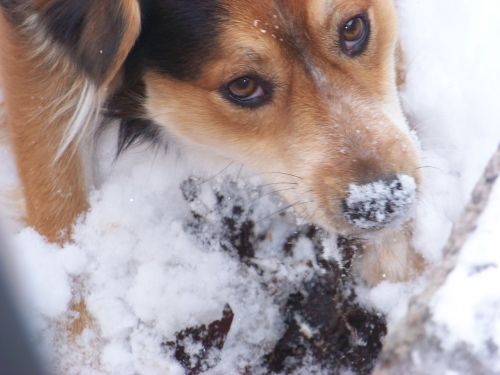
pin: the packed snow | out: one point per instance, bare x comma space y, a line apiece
148, 266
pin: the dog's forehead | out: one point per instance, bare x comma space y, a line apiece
275, 18
295, 13
182, 38
295, 22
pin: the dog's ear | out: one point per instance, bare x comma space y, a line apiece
98, 34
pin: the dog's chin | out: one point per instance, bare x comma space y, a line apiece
345, 229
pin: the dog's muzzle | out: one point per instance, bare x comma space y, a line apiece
379, 203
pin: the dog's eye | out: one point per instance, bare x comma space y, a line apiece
354, 35
244, 88
248, 91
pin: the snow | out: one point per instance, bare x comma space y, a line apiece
467, 308
148, 269
379, 203
453, 86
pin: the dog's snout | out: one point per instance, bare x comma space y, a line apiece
377, 204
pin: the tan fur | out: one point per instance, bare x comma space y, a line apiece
390, 257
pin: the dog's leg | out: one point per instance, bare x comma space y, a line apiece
53, 188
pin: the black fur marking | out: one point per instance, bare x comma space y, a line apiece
177, 38
134, 131
128, 101
180, 35
127, 106
91, 30
9, 5
65, 21
16, 11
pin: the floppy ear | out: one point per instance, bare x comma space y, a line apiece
98, 34
75, 46
57, 60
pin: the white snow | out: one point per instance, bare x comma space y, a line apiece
379, 203
467, 309
146, 274
453, 86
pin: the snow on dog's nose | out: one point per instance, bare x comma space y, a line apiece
379, 203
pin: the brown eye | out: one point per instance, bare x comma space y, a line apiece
354, 35
244, 87
248, 91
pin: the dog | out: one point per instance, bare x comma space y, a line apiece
306, 88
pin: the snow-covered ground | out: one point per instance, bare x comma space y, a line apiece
148, 269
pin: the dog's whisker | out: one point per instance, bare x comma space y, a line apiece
280, 173
271, 193
217, 174
240, 170
309, 217
292, 205
276, 184
430, 167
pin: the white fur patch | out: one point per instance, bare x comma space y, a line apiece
84, 117
82, 100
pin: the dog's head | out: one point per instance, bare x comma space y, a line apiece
303, 91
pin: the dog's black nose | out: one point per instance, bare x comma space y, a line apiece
379, 203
